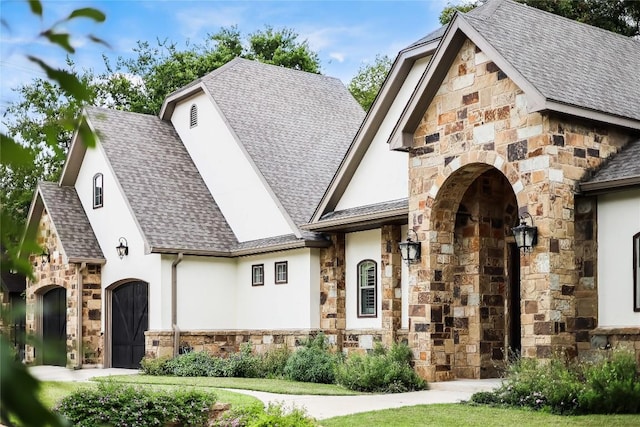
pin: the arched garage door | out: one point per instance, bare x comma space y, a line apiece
54, 327
129, 322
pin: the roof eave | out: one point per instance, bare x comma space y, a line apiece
88, 260
599, 116
169, 104
593, 188
400, 69
243, 252
359, 221
75, 156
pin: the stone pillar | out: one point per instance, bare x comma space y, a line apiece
92, 339
391, 283
332, 288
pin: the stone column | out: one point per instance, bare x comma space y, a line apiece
332, 289
391, 269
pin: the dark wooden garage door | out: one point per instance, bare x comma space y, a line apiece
54, 327
129, 322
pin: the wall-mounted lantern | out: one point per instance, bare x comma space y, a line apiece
45, 256
410, 249
122, 248
526, 235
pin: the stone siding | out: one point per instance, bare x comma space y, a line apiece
57, 273
478, 122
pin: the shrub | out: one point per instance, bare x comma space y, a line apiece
610, 385
274, 361
117, 405
243, 364
194, 364
153, 366
312, 363
386, 371
272, 416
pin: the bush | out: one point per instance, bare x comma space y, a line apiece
610, 385
153, 366
194, 364
243, 364
272, 416
382, 371
312, 363
117, 405
273, 362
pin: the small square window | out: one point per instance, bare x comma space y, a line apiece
257, 275
282, 272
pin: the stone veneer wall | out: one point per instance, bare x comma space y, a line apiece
391, 286
478, 121
332, 286
57, 273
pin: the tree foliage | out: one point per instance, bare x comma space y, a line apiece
619, 16
367, 82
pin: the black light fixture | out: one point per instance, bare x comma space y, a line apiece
122, 248
526, 235
45, 256
410, 249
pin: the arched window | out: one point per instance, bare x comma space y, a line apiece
194, 116
367, 289
98, 191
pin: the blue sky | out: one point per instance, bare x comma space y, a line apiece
346, 34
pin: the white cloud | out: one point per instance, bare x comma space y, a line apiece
337, 56
196, 22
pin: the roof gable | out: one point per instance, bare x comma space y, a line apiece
295, 127
557, 62
168, 198
69, 219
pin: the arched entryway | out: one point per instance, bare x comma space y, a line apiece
129, 321
473, 256
54, 327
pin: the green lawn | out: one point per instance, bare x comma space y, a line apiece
413, 416
256, 384
464, 415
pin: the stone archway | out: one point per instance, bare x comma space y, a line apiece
469, 254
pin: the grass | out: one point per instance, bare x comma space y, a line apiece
256, 384
465, 415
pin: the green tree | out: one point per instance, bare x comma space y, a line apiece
18, 389
162, 69
619, 16
367, 82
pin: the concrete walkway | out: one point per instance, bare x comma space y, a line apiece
319, 407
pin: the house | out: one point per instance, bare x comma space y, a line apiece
262, 206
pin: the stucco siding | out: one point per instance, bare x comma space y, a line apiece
618, 222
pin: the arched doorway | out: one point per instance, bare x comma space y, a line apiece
480, 301
129, 321
54, 327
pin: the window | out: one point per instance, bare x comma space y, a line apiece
282, 273
367, 278
257, 275
193, 116
98, 191
636, 272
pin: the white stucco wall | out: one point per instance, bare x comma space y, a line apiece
235, 185
109, 223
360, 246
382, 174
618, 222
293, 305
206, 292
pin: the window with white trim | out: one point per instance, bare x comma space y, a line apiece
636, 272
367, 288
282, 272
257, 275
98, 191
193, 116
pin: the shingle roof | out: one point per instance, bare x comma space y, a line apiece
71, 222
366, 210
567, 61
296, 126
165, 191
621, 169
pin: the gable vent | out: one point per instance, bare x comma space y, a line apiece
194, 116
